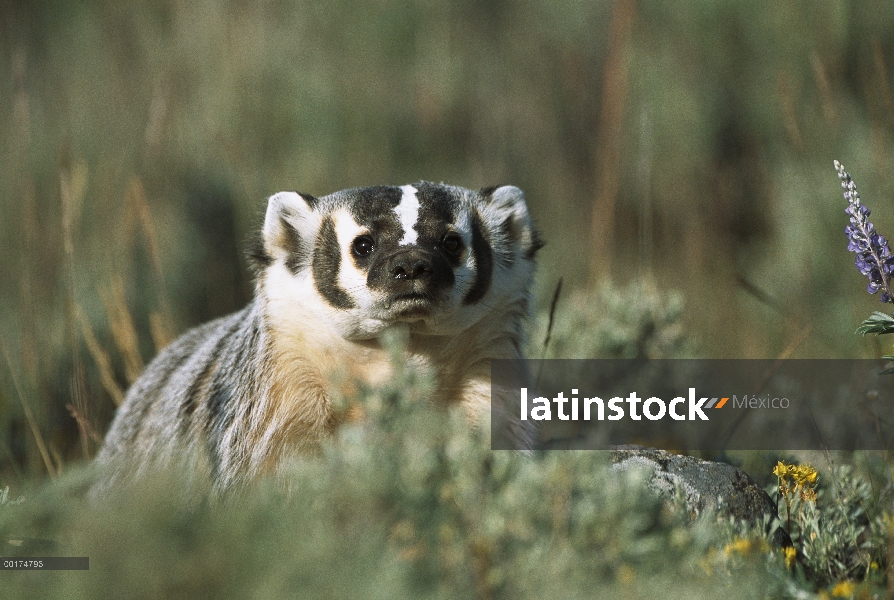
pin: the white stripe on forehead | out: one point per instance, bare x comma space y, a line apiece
408, 213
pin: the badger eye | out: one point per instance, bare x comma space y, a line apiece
452, 243
363, 246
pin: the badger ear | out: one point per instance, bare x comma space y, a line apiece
505, 198
507, 212
290, 225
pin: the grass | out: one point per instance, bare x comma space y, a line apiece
412, 503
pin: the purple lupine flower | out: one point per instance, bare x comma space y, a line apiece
874, 258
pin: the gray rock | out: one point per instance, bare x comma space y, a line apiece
706, 485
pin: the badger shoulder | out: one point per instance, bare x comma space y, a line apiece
159, 406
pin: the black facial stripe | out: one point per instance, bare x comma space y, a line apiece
326, 262
375, 206
437, 209
484, 266
373, 209
296, 250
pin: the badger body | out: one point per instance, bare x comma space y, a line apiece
232, 399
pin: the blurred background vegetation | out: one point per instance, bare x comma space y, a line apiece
680, 147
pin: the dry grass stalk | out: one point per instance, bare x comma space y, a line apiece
79, 397
160, 324
72, 189
84, 424
137, 196
29, 416
57, 459
610, 139
123, 330
101, 358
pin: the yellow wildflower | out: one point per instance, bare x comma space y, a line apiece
781, 470
790, 555
737, 546
805, 475
745, 546
844, 589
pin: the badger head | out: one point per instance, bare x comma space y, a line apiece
438, 258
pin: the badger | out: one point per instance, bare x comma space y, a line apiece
449, 268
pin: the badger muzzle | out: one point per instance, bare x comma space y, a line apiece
411, 279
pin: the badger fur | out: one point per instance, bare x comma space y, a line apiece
230, 400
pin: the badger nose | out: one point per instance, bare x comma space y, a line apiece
412, 264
